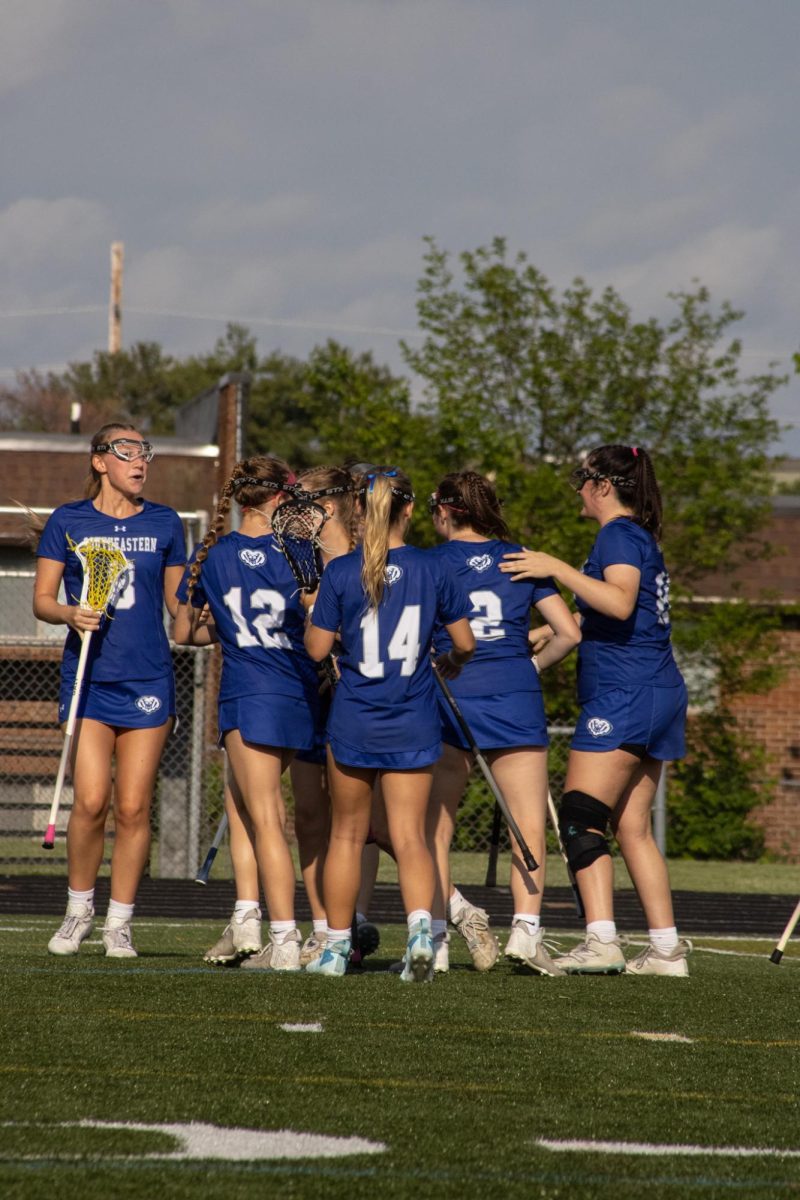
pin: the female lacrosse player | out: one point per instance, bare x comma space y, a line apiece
500, 696
127, 703
633, 708
268, 689
383, 600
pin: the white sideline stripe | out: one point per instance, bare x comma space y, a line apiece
314, 1027
678, 1150
662, 1037
198, 1141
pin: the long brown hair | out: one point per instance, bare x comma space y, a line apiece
384, 494
471, 500
630, 471
253, 481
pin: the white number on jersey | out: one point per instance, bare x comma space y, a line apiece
403, 645
126, 597
487, 623
662, 597
268, 625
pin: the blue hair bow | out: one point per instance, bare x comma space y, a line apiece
374, 475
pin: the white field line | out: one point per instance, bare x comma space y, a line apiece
662, 1037
313, 1027
651, 1149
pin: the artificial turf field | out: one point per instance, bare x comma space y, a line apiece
467, 1087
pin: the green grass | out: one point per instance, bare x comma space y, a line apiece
459, 1080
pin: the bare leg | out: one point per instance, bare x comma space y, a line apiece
138, 754
406, 794
633, 828
257, 771
521, 775
92, 752
605, 776
351, 802
312, 815
242, 844
450, 777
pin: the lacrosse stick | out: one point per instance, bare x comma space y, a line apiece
103, 569
204, 872
573, 883
494, 847
777, 953
296, 527
530, 861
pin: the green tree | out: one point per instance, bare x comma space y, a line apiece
521, 381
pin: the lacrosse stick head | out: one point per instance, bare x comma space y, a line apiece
105, 569
296, 527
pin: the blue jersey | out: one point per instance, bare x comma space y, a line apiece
638, 650
386, 698
254, 600
132, 642
500, 618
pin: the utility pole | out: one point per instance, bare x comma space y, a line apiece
115, 300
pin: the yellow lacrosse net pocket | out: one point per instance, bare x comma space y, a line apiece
103, 564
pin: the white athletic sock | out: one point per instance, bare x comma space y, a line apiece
338, 935
438, 927
456, 903
242, 907
606, 931
419, 914
663, 940
76, 900
532, 920
280, 930
119, 912
320, 926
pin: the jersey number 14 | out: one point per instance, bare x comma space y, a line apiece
403, 645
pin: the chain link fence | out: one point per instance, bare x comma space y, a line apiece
189, 797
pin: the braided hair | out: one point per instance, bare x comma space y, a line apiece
252, 482
471, 500
629, 469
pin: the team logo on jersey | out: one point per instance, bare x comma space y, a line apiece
253, 558
148, 704
393, 573
598, 727
480, 562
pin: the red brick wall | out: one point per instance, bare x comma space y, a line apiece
774, 720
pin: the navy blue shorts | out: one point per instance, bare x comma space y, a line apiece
400, 760
269, 720
131, 704
318, 754
652, 717
497, 722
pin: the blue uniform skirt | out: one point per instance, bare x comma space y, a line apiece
652, 717
271, 720
398, 760
497, 722
126, 704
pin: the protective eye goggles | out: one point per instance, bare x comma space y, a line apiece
581, 475
126, 449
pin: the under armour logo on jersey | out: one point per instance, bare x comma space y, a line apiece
393, 573
253, 558
148, 704
120, 528
480, 562
598, 727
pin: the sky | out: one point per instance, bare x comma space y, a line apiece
278, 163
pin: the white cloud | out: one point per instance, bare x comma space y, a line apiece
722, 131
38, 36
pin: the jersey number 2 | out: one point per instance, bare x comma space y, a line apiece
267, 624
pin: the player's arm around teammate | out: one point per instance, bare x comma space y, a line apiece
501, 698
383, 600
633, 708
127, 705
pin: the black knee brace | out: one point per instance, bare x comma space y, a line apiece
579, 817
